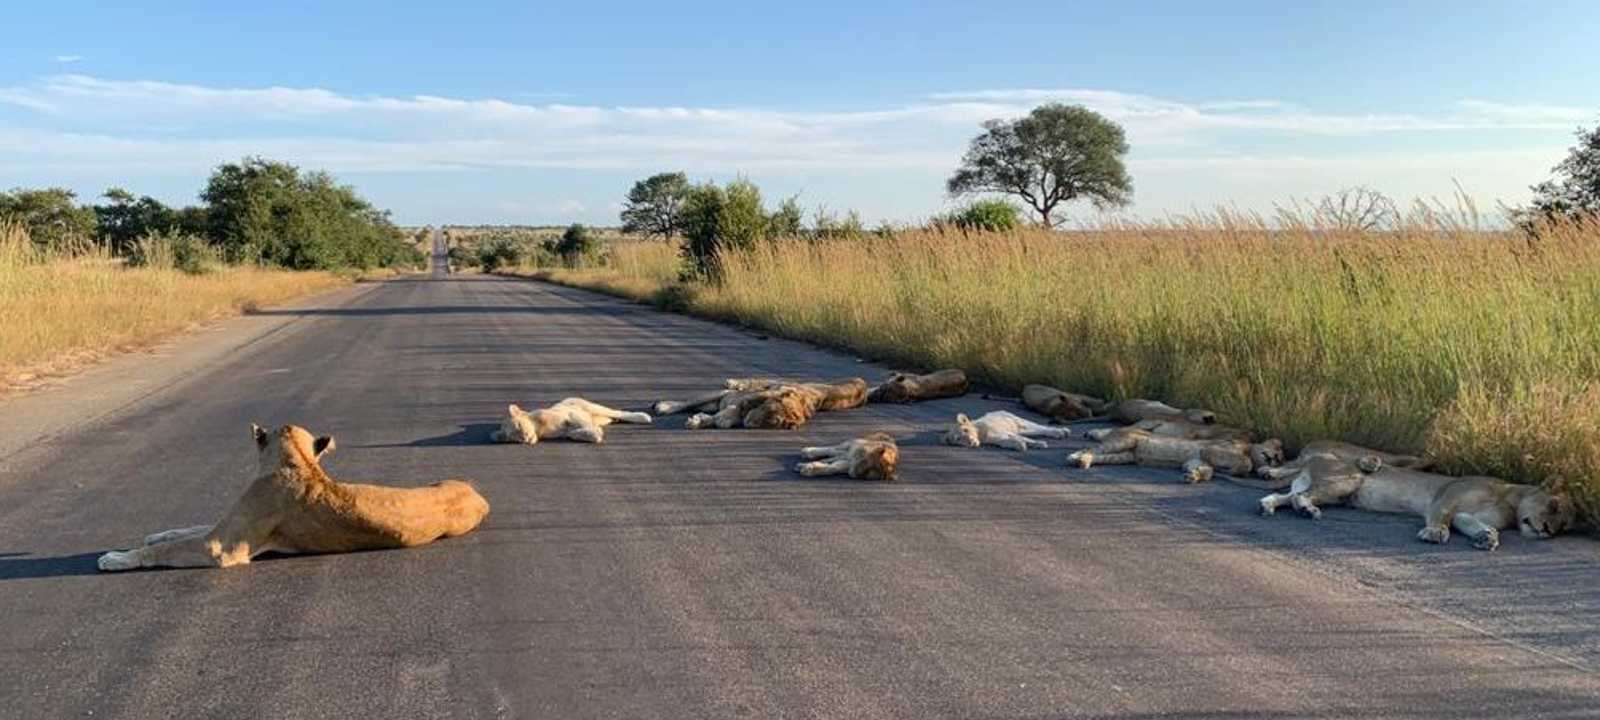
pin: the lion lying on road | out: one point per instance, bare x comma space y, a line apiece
1182, 429
1199, 459
573, 418
1280, 477
873, 457
760, 403
1138, 410
294, 507
906, 388
1477, 507
1061, 406
1001, 429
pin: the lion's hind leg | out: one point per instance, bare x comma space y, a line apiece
599, 411
840, 466
1095, 456
177, 534
191, 551
824, 451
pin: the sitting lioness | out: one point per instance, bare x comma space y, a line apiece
907, 388
1199, 459
1280, 477
1061, 406
1477, 507
572, 418
1001, 429
873, 457
764, 403
294, 507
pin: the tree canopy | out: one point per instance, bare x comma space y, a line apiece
1576, 188
1058, 153
655, 205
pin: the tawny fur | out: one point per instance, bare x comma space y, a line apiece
294, 507
1477, 507
1199, 459
572, 418
1137, 410
1001, 429
872, 457
1061, 406
1277, 478
1182, 429
908, 388
760, 403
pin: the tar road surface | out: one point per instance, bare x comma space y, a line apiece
689, 574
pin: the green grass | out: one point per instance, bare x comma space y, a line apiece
1480, 347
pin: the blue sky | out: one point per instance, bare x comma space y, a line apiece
512, 112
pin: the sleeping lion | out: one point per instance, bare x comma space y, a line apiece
1062, 406
1001, 429
908, 388
1477, 507
572, 418
1199, 459
872, 457
1279, 477
760, 403
295, 507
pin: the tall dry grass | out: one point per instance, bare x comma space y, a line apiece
63, 307
1481, 347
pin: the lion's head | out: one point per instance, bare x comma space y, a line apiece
879, 461
516, 427
784, 409
290, 446
897, 389
1542, 514
1267, 453
963, 434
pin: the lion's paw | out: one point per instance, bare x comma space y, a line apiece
114, 561
1195, 477
1082, 458
1489, 540
1437, 535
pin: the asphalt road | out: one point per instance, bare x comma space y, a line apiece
678, 574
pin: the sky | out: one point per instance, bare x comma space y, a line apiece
546, 113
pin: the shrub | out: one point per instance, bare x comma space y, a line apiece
576, 245
499, 252
175, 250
987, 216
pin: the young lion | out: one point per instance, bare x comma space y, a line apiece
765, 403
572, 418
1477, 507
1199, 459
1132, 411
873, 457
1002, 429
906, 388
1279, 477
294, 507
1061, 406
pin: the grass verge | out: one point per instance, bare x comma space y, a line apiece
59, 313
1479, 347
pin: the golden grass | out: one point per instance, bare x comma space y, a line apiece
59, 312
1480, 347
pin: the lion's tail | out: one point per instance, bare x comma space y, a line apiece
1261, 484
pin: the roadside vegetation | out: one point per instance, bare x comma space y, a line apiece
79, 281
61, 310
1424, 329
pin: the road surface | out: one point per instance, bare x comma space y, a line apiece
688, 574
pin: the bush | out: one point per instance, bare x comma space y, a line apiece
175, 250
499, 252
987, 216
576, 245
461, 257
715, 220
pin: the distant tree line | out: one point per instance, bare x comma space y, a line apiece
255, 211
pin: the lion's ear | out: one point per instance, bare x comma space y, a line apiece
962, 418
323, 445
259, 434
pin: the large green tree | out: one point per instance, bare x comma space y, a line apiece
52, 216
1576, 188
124, 218
655, 205
1056, 154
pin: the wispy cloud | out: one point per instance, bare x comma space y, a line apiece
83, 123
68, 59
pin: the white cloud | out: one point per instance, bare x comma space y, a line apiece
68, 59
86, 125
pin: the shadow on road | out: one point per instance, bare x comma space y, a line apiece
21, 565
471, 434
